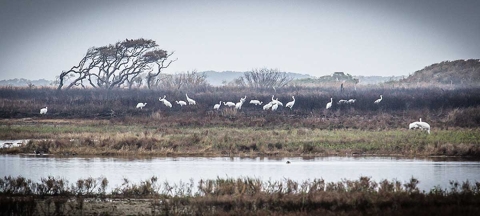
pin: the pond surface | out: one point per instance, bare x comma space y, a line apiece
430, 172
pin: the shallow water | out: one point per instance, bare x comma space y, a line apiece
429, 172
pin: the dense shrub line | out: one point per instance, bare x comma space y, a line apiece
243, 196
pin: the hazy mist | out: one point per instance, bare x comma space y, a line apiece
39, 39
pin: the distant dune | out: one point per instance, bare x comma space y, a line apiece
459, 72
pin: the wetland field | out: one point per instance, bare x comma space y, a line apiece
82, 122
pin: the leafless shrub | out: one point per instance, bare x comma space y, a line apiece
264, 78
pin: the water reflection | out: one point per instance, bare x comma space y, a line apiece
430, 172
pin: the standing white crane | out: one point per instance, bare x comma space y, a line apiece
330, 103
190, 101
256, 102
181, 103
420, 125
217, 106
276, 101
267, 106
43, 111
413, 125
424, 126
274, 107
141, 105
165, 102
240, 103
229, 104
378, 100
291, 103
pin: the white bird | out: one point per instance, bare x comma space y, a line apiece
378, 100
229, 104
240, 103
181, 103
352, 101
276, 101
141, 105
256, 102
424, 126
243, 99
165, 102
190, 101
342, 101
43, 111
413, 125
330, 103
420, 125
275, 107
267, 106
291, 103
217, 106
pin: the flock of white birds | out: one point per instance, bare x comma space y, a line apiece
272, 105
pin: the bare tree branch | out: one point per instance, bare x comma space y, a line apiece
117, 65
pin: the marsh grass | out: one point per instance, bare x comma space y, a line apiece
131, 139
237, 196
93, 122
433, 104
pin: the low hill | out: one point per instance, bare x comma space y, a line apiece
459, 72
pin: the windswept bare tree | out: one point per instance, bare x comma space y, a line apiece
264, 78
117, 65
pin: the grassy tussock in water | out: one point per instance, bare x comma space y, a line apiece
241, 196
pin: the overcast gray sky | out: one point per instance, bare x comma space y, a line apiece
40, 38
